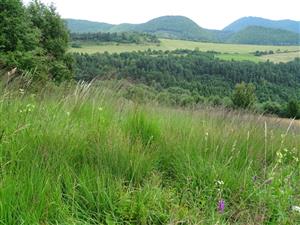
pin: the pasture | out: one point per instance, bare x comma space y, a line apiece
228, 51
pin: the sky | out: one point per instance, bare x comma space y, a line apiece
212, 14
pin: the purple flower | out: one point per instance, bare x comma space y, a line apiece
221, 206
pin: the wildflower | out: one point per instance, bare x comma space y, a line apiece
221, 206
219, 182
296, 208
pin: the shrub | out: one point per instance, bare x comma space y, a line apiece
243, 95
293, 109
272, 108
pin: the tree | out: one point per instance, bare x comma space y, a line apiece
54, 34
35, 40
54, 39
16, 31
243, 95
293, 109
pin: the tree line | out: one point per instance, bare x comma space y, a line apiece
198, 76
124, 37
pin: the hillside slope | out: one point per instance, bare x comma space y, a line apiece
85, 26
248, 30
175, 27
244, 22
264, 36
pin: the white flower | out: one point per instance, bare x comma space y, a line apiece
296, 208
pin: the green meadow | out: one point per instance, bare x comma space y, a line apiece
228, 51
84, 155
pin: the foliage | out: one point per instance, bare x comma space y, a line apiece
84, 26
34, 39
180, 27
193, 71
80, 155
244, 95
293, 109
245, 22
264, 36
16, 33
128, 37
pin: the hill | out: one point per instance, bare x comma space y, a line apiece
243, 31
244, 22
177, 27
264, 36
85, 26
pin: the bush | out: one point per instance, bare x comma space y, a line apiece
243, 95
293, 109
270, 107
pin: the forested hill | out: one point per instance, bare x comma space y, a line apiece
177, 27
194, 72
262, 35
180, 27
85, 26
240, 24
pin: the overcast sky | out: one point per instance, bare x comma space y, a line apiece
213, 14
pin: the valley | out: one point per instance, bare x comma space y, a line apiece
228, 51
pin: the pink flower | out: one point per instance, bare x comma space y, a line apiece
221, 206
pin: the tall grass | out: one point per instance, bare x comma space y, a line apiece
82, 155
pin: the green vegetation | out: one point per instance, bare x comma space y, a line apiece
282, 57
35, 41
180, 27
244, 96
82, 156
132, 37
245, 22
264, 36
195, 73
160, 146
236, 52
84, 26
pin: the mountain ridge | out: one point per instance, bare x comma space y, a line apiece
181, 27
287, 24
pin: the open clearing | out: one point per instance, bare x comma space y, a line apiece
282, 57
233, 51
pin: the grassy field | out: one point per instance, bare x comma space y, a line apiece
82, 155
281, 57
235, 51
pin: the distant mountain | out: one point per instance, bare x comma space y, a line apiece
123, 27
244, 22
179, 27
85, 26
264, 36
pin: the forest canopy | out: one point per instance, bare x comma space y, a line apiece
34, 39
